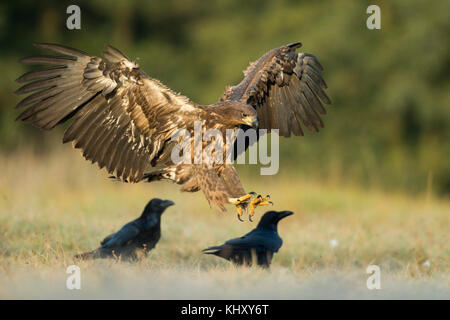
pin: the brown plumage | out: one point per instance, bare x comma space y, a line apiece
124, 120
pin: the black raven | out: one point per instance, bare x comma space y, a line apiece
259, 244
135, 239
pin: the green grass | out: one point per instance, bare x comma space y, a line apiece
52, 207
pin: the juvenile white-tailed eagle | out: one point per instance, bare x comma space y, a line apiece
124, 119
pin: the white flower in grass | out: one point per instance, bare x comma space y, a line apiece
427, 264
334, 243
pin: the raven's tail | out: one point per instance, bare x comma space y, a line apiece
212, 250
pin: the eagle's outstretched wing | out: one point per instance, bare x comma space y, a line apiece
285, 88
122, 117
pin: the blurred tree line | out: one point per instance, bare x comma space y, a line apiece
389, 122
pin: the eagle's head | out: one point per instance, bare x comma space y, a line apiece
237, 114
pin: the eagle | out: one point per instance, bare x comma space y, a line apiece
124, 120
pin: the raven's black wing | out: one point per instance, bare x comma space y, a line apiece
257, 240
122, 237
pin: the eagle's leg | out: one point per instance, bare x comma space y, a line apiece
240, 211
246, 198
258, 201
241, 204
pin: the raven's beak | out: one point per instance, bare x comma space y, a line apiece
168, 203
284, 214
251, 121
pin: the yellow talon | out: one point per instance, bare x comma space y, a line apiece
242, 203
240, 211
258, 201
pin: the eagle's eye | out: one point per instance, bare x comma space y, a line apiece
243, 114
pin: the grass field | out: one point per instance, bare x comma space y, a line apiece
52, 207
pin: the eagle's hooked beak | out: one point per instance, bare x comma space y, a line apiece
251, 121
